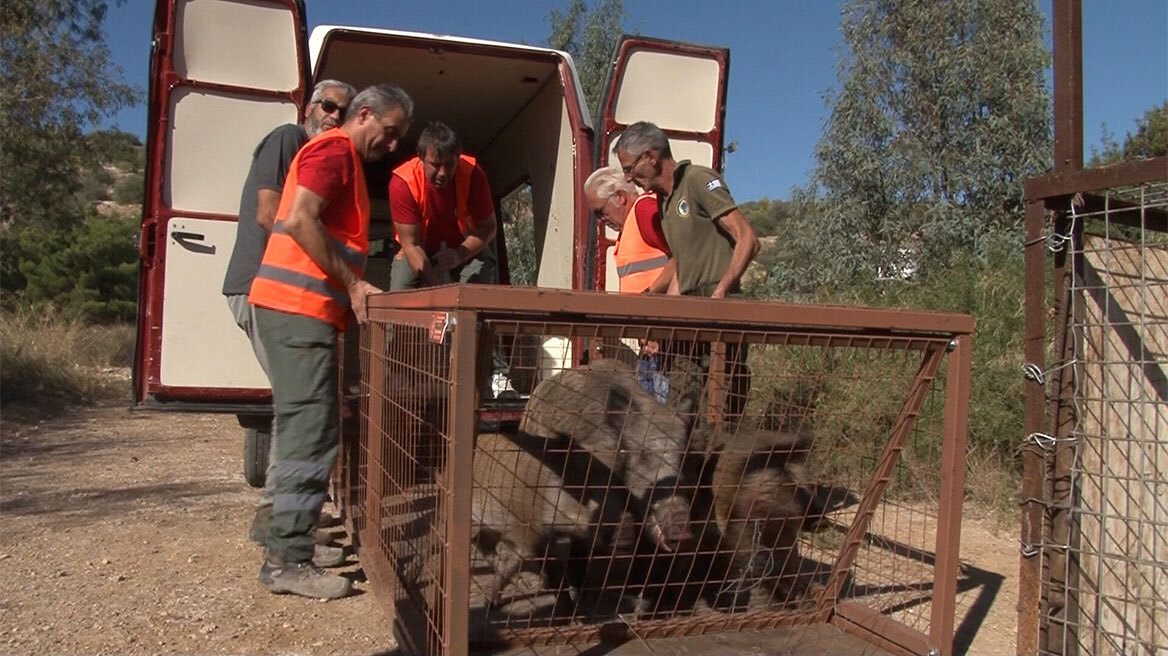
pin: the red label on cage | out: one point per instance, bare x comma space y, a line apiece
438, 327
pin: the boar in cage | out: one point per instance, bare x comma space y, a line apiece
604, 488
596, 462
601, 407
756, 499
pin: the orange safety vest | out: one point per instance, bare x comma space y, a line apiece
637, 264
288, 279
414, 175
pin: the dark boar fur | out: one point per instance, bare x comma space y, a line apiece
530, 494
601, 408
761, 501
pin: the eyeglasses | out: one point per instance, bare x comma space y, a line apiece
329, 106
629, 169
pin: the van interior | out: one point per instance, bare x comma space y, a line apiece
507, 104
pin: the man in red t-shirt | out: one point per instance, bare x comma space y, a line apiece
443, 215
308, 285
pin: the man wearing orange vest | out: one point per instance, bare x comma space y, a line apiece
443, 215
641, 254
308, 285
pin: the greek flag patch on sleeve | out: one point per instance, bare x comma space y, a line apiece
713, 184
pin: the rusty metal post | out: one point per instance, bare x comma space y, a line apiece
373, 428
1030, 572
462, 424
1059, 632
1067, 18
953, 449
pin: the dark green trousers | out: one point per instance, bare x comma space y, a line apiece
302, 356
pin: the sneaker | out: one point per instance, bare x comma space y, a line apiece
304, 579
326, 556
326, 520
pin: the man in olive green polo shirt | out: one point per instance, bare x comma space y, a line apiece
711, 242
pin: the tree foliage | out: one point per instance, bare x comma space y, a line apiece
90, 270
940, 116
58, 81
590, 36
1149, 140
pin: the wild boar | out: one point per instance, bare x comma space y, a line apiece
601, 408
762, 501
529, 493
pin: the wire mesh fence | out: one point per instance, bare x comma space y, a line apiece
1104, 474
529, 470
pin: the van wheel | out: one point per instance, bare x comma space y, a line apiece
256, 443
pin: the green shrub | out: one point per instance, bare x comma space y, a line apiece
129, 189
90, 270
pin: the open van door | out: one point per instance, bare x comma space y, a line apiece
681, 87
223, 73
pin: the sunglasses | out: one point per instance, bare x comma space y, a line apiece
329, 106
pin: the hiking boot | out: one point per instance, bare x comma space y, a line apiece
259, 524
304, 579
326, 520
326, 556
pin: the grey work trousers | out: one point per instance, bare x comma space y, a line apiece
244, 313
302, 356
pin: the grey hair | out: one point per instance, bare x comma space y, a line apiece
325, 85
604, 182
380, 98
642, 136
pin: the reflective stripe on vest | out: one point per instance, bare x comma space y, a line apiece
288, 280
413, 174
637, 263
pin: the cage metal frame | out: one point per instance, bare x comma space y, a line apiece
459, 313
1048, 494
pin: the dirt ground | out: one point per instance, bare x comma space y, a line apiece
126, 533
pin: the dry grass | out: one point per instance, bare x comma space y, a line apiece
49, 361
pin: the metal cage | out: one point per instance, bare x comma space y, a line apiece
807, 465
1095, 485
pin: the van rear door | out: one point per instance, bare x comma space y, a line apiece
223, 73
681, 87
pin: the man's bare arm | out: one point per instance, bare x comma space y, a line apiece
409, 235
674, 288
745, 248
304, 225
661, 284
267, 202
480, 235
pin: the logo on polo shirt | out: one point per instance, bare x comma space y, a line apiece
683, 207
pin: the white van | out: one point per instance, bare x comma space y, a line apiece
225, 72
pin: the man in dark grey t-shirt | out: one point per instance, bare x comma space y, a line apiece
257, 213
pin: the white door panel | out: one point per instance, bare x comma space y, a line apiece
245, 44
201, 345
689, 83
211, 142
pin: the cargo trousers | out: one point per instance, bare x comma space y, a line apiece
302, 356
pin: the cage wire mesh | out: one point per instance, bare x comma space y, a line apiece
684, 481
1105, 575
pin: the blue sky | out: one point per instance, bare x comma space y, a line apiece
782, 60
